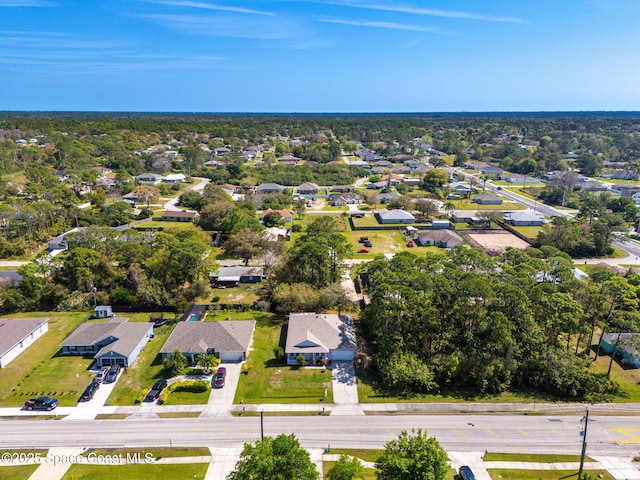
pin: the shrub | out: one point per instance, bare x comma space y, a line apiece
278, 352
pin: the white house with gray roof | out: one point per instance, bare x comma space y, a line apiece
114, 342
227, 340
394, 216
320, 337
17, 334
231, 276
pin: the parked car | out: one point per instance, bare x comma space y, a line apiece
218, 381
159, 322
499, 188
222, 372
363, 239
90, 391
465, 473
112, 374
156, 390
41, 403
411, 244
102, 373
363, 250
368, 244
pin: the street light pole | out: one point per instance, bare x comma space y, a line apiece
584, 443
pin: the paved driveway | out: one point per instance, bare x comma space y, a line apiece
223, 397
345, 390
87, 410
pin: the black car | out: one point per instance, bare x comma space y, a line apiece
41, 403
90, 391
156, 390
112, 374
368, 244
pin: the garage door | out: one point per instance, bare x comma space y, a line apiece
341, 355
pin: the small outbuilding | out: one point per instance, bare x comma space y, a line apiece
103, 311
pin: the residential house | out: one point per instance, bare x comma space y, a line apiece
467, 216
213, 163
226, 188
178, 216
412, 182
523, 219
270, 188
221, 150
320, 338
392, 179
102, 170
387, 197
488, 199
103, 311
175, 178
344, 199
308, 188
439, 238
10, 278
148, 178
285, 215
275, 234
59, 242
17, 334
591, 186
342, 188
114, 342
229, 341
627, 190
491, 170
396, 216
234, 275
628, 347
517, 178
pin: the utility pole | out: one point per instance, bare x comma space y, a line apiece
262, 425
584, 443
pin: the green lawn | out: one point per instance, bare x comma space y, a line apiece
247, 293
369, 473
183, 471
369, 220
41, 370
506, 474
17, 472
155, 452
260, 317
139, 377
272, 381
531, 232
186, 398
367, 455
469, 205
532, 457
629, 379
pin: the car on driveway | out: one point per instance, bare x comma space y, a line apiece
218, 381
156, 390
99, 378
112, 374
41, 403
222, 372
90, 391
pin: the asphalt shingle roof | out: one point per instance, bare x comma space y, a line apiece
198, 337
14, 330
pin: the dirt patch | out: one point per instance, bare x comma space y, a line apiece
495, 243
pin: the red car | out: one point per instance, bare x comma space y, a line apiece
363, 250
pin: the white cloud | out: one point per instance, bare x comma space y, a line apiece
391, 7
209, 6
227, 26
388, 25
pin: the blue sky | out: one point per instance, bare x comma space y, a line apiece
319, 55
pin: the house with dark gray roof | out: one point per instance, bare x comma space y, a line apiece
320, 337
523, 219
308, 188
17, 334
227, 340
270, 188
114, 342
233, 275
487, 199
396, 216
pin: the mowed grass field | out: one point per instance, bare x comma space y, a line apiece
270, 380
41, 370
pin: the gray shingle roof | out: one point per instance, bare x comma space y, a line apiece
395, 215
311, 332
125, 336
14, 330
198, 337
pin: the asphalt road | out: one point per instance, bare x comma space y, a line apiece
608, 435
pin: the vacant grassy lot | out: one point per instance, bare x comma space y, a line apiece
628, 378
269, 380
369, 220
505, 474
133, 385
247, 293
532, 457
41, 370
469, 205
531, 232
156, 452
184, 471
17, 472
